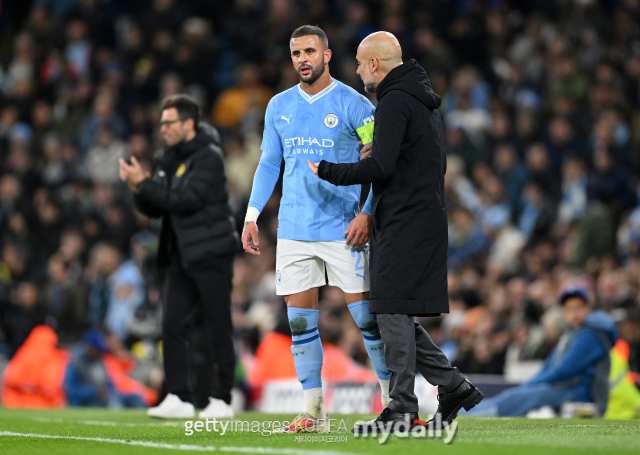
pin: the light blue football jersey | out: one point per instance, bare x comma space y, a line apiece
325, 126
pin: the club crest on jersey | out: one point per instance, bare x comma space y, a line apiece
331, 121
278, 277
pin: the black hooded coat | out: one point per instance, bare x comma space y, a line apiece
408, 261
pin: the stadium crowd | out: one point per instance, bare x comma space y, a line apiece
541, 105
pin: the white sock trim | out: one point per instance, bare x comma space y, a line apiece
314, 403
384, 387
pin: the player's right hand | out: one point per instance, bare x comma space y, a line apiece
365, 151
359, 230
250, 240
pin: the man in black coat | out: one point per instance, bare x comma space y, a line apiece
198, 240
408, 261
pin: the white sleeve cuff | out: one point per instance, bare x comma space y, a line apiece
252, 215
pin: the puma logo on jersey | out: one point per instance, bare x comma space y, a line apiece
285, 118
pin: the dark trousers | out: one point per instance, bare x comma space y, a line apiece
407, 347
210, 287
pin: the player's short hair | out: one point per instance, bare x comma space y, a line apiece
307, 30
187, 107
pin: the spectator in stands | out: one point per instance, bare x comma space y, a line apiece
563, 142
23, 313
117, 290
103, 116
127, 293
537, 214
511, 171
466, 238
577, 370
248, 97
573, 202
66, 299
101, 161
630, 332
610, 184
87, 381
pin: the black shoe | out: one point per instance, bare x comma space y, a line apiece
386, 422
449, 404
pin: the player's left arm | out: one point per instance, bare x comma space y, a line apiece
361, 118
359, 229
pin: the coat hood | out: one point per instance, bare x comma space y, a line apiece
209, 132
205, 136
600, 320
411, 78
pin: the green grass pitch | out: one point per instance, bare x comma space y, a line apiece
100, 431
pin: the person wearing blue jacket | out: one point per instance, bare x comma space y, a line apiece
86, 381
576, 370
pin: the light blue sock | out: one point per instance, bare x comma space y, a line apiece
306, 346
372, 339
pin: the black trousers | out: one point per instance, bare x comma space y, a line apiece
210, 287
407, 347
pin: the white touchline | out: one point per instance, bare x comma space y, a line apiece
155, 445
160, 445
107, 423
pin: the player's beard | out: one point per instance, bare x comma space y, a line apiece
316, 72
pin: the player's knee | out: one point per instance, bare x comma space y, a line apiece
365, 321
302, 321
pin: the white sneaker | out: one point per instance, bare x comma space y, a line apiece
217, 409
172, 407
545, 412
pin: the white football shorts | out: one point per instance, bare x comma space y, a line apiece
302, 265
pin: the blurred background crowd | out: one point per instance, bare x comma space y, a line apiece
541, 106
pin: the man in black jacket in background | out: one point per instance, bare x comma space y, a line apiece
198, 240
408, 262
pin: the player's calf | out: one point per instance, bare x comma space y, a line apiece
306, 348
373, 343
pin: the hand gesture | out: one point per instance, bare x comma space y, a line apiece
365, 151
250, 240
313, 167
132, 174
359, 229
